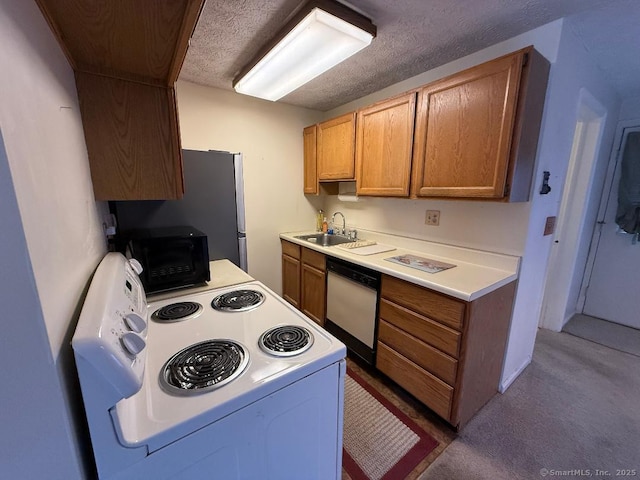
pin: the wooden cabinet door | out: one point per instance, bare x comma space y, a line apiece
464, 129
309, 135
291, 280
313, 293
336, 148
127, 57
384, 147
132, 137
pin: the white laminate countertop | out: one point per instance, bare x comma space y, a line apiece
476, 272
223, 274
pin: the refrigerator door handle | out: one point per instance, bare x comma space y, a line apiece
242, 249
237, 164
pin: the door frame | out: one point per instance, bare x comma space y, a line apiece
623, 129
563, 258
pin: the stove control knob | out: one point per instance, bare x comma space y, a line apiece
133, 343
136, 265
135, 322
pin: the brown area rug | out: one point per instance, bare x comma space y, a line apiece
380, 441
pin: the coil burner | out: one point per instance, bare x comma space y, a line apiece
203, 367
176, 312
286, 340
238, 301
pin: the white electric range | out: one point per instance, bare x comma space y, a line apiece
228, 383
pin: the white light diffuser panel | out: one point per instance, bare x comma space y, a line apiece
315, 45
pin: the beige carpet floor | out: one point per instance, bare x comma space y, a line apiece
574, 408
613, 335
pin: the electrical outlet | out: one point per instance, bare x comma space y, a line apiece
432, 217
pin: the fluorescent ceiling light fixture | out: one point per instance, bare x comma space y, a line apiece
320, 36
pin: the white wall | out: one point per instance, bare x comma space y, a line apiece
269, 135
572, 72
630, 109
51, 242
34, 439
492, 226
45, 145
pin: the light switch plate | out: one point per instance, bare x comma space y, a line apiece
549, 226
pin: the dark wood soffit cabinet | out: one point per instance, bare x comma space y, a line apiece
127, 56
143, 40
131, 157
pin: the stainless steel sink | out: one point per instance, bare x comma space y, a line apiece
324, 239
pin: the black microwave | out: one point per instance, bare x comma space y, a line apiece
171, 257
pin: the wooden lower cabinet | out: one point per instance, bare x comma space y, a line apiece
422, 354
446, 352
313, 293
291, 273
304, 280
427, 388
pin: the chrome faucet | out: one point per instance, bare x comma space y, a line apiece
344, 223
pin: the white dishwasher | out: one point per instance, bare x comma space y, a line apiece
352, 299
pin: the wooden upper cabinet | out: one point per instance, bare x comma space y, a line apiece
116, 116
127, 56
384, 144
336, 148
309, 135
469, 126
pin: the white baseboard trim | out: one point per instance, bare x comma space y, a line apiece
507, 383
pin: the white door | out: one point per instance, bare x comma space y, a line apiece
613, 291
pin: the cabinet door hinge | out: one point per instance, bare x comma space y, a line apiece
506, 190
525, 60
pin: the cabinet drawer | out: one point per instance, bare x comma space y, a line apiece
313, 258
431, 391
290, 249
424, 301
433, 333
431, 359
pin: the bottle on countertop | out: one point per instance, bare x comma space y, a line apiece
319, 219
325, 226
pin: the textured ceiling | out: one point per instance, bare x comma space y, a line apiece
414, 36
612, 37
